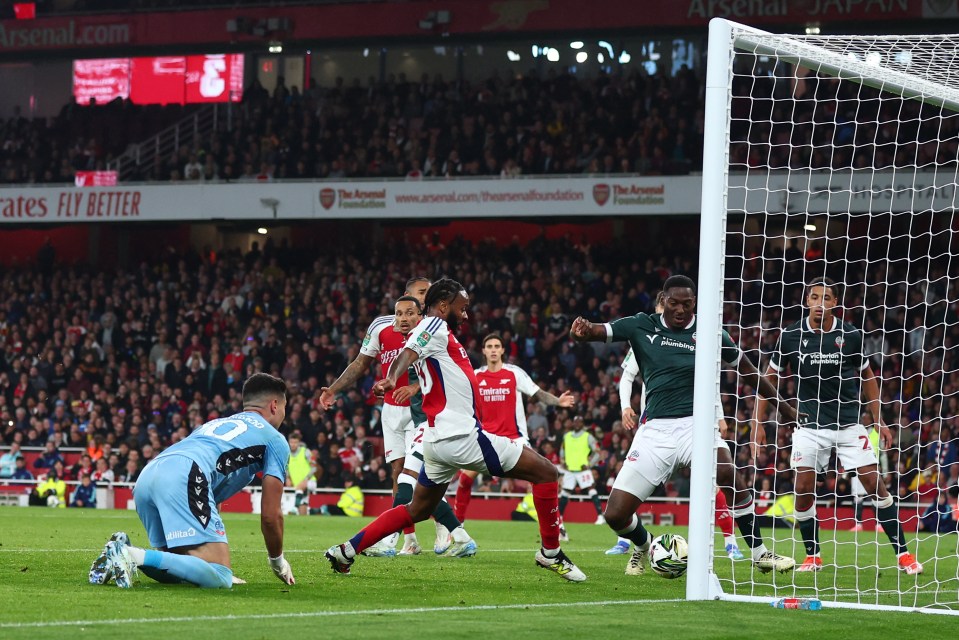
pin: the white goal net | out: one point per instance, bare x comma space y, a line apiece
837, 158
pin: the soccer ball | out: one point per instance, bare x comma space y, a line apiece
668, 554
53, 500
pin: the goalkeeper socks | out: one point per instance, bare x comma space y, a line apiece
463, 494
189, 569
545, 499
390, 521
809, 529
563, 501
636, 533
887, 512
443, 513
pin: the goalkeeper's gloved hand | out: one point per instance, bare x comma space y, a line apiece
281, 568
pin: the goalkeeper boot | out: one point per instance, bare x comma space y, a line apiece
338, 560
909, 564
101, 572
637, 562
561, 565
811, 563
122, 564
770, 561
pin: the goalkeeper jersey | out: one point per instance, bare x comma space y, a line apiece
828, 367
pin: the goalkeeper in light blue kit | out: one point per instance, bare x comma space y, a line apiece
177, 494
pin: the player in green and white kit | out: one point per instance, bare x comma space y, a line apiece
825, 355
665, 347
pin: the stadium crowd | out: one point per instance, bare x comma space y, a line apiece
123, 364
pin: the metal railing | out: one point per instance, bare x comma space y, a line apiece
188, 131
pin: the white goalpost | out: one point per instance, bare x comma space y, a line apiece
832, 157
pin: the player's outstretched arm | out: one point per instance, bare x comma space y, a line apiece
767, 390
399, 366
356, 370
565, 400
271, 524
629, 417
583, 330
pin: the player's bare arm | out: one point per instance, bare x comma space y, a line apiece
398, 367
870, 389
583, 330
356, 370
271, 524
565, 400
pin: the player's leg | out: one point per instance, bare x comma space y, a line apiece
396, 423
505, 458
744, 512
464, 492
724, 520
179, 514
858, 502
451, 535
811, 449
434, 478
855, 451
649, 463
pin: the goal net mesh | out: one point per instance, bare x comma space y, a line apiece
842, 163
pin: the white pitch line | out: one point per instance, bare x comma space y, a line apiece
329, 614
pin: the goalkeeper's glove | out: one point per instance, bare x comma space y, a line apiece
281, 568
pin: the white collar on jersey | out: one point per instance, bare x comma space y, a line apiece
835, 325
662, 321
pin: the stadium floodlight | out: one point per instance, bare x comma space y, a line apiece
576, 44
512, 56
552, 54
624, 58
581, 56
262, 231
860, 132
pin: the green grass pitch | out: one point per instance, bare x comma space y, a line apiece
45, 555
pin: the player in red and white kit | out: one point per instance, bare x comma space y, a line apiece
455, 438
501, 388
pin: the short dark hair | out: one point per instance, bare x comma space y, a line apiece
825, 283
263, 386
414, 280
444, 289
415, 301
494, 336
679, 282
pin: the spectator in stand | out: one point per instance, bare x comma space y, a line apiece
85, 494
103, 474
8, 461
20, 471
50, 456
